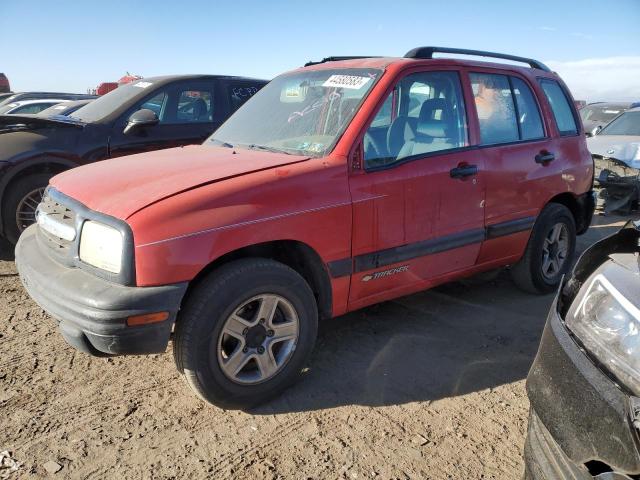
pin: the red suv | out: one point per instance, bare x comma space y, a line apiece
345, 183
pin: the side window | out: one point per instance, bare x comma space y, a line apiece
428, 117
496, 111
194, 106
157, 104
383, 117
239, 94
529, 119
562, 110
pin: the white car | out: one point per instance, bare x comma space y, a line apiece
616, 155
620, 139
29, 106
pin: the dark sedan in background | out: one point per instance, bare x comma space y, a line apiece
585, 381
149, 114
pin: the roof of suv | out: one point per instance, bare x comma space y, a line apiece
425, 55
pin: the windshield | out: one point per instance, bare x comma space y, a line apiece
600, 114
626, 124
302, 113
103, 106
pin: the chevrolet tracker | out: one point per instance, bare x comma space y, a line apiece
345, 183
584, 385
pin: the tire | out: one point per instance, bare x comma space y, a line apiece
200, 342
529, 273
19, 190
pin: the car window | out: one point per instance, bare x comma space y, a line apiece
239, 94
429, 118
529, 118
194, 106
383, 117
626, 124
157, 104
303, 113
562, 111
495, 108
33, 108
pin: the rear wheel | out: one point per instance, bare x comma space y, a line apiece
549, 252
20, 203
246, 332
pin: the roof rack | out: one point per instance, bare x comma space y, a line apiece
427, 53
339, 59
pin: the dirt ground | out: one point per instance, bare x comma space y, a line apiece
427, 386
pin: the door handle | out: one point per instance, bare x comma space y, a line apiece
545, 157
462, 171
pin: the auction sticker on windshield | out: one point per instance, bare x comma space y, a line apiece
346, 81
143, 84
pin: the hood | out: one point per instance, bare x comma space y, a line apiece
9, 123
120, 187
625, 148
24, 143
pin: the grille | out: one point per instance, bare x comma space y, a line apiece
60, 214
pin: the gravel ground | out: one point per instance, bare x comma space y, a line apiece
427, 386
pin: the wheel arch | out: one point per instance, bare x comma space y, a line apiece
295, 254
42, 164
570, 201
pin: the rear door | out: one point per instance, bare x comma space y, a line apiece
189, 112
513, 139
418, 204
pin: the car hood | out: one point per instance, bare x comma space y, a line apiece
122, 186
621, 147
9, 123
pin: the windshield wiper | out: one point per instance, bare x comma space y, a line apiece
222, 143
253, 146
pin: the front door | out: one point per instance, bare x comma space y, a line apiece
418, 204
188, 112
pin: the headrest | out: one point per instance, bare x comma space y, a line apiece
429, 107
433, 128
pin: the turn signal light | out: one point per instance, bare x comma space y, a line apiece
147, 318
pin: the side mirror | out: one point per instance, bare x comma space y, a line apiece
596, 130
141, 118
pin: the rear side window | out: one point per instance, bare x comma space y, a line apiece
240, 93
562, 110
529, 119
495, 107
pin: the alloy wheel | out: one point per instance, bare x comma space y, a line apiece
26, 211
258, 339
555, 251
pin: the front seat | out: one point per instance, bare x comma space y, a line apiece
434, 129
401, 131
200, 111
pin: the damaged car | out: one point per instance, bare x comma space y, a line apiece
145, 115
584, 385
348, 182
616, 155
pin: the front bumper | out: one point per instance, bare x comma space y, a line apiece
580, 419
91, 311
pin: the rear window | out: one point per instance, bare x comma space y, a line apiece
560, 106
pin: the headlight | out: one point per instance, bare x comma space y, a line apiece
101, 246
608, 325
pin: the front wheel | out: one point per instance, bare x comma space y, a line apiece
20, 203
246, 333
549, 253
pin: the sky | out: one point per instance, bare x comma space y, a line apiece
71, 46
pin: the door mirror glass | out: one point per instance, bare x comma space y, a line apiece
595, 131
141, 118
